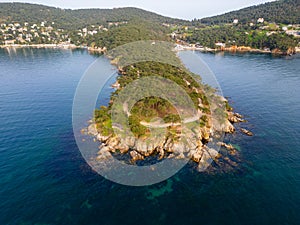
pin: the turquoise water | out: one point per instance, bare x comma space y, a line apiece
44, 179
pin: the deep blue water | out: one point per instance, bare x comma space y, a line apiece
44, 179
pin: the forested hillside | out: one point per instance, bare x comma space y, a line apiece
282, 11
75, 19
102, 29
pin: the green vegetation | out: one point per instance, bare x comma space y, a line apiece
75, 19
242, 36
282, 11
151, 108
133, 31
105, 29
103, 120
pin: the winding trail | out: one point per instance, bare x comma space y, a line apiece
165, 125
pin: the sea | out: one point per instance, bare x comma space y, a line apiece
44, 179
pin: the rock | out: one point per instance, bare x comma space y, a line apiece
104, 153
146, 147
238, 115
180, 156
168, 146
171, 156
235, 117
92, 129
205, 134
102, 138
208, 156
122, 147
136, 156
228, 127
112, 142
130, 141
227, 146
212, 152
247, 132
230, 162
178, 148
196, 155
204, 162
161, 152
222, 98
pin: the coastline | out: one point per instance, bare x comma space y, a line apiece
196, 149
240, 49
179, 47
61, 46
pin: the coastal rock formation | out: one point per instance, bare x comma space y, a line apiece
247, 132
191, 145
153, 127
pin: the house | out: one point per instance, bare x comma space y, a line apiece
295, 33
173, 35
271, 33
219, 44
260, 20
9, 42
235, 21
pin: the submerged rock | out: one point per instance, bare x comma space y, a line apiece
227, 146
247, 132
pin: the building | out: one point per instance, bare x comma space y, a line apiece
260, 20
9, 42
235, 21
219, 44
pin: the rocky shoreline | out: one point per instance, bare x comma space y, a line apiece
195, 146
239, 49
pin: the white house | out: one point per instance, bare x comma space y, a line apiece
219, 44
260, 20
235, 21
9, 42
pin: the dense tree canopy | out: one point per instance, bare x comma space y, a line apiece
282, 11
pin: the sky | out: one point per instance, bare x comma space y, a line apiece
185, 9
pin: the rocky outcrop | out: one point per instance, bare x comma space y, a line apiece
182, 144
247, 132
235, 117
136, 156
189, 144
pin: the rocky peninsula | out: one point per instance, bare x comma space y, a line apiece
157, 130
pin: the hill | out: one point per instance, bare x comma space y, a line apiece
75, 19
282, 11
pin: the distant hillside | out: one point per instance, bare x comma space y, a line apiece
74, 19
282, 11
